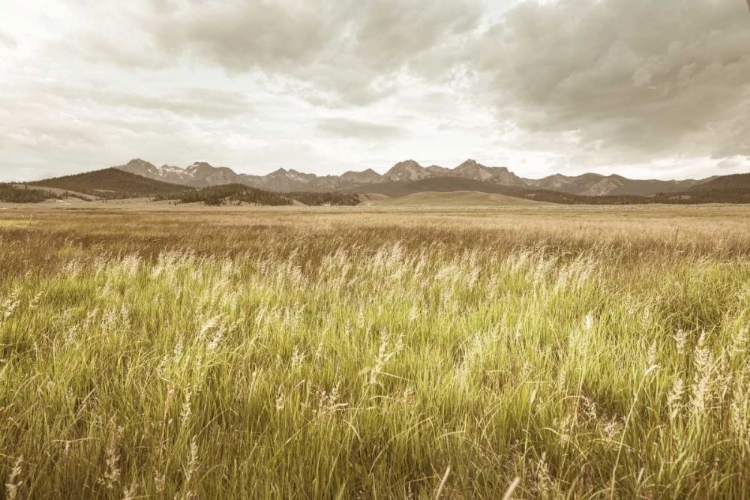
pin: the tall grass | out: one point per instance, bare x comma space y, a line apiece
315, 362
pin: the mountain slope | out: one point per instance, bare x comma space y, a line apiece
470, 169
440, 185
611, 185
455, 184
407, 171
454, 199
199, 174
10, 193
227, 194
729, 183
237, 194
202, 174
110, 183
115, 183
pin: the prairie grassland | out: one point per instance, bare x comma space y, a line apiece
540, 352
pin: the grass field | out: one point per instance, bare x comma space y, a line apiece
525, 352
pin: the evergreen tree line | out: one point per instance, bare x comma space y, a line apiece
237, 194
14, 194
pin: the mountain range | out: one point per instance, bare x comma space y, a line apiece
408, 180
202, 174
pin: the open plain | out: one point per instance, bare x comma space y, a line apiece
159, 351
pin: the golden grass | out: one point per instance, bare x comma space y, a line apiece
341, 353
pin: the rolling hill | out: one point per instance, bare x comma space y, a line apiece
454, 184
725, 183
110, 183
609, 185
332, 199
230, 194
227, 194
11, 193
728, 189
437, 185
114, 183
454, 199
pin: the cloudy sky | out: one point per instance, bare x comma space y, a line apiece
643, 88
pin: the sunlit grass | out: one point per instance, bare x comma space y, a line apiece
300, 361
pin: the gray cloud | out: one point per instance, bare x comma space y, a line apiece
627, 86
631, 78
353, 129
348, 50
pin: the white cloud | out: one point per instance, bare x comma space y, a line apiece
632, 79
348, 49
642, 88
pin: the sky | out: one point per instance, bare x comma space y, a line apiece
642, 88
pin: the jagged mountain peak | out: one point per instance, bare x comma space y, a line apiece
198, 165
140, 167
406, 164
368, 175
408, 170
203, 174
470, 163
138, 161
471, 169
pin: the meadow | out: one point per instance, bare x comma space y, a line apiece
519, 352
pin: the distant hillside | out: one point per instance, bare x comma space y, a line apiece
110, 183
227, 194
738, 196
714, 191
438, 185
320, 199
609, 185
454, 199
725, 183
139, 178
233, 194
58, 193
454, 184
10, 193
